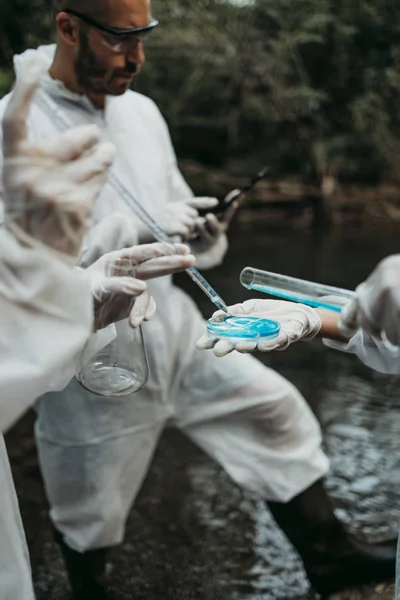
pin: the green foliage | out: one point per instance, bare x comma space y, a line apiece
310, 87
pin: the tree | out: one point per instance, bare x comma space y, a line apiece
309, 87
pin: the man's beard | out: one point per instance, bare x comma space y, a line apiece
91, 74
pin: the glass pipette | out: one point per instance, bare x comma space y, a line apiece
162, 236
62, 122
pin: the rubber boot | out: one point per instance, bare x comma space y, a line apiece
87, 571
332, 559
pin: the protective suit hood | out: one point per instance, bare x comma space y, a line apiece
44, 55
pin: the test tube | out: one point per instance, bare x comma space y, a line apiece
313, 294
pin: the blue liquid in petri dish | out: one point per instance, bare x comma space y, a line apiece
243, 328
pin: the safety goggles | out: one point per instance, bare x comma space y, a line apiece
116, 38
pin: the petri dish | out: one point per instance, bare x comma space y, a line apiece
242, 329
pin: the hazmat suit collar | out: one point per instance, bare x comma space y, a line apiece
113, 120
44, 55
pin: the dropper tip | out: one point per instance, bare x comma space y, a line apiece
219, 303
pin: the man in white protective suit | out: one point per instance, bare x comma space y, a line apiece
47, 307
242, 414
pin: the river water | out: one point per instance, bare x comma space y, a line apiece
192, 534
359, 409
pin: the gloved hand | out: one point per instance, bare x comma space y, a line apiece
376, 308
180, 217
208, 229
49, 187
297, 321
118, 281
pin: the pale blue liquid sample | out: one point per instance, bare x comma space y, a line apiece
243, 328
293, 297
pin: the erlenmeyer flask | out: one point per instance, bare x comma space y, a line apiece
121, 367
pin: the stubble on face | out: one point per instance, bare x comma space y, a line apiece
91, 73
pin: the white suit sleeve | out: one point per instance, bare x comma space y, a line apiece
46, 317
178, 190
370, 350
114, 233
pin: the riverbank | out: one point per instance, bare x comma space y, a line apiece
283, 200
379, 592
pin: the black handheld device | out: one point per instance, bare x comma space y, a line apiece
223, 206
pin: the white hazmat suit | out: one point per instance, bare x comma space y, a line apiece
42, 301
95, 451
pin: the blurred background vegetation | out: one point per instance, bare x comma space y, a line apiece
309, 87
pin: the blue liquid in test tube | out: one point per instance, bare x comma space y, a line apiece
296, 290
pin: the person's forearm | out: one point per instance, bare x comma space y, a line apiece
329, 328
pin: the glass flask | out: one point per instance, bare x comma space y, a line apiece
242, 329
296, 290
121, 367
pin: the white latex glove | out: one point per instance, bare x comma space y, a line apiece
377, 307
208, 229
206, 233
180, 217
49, 187
297, 321
118, 281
